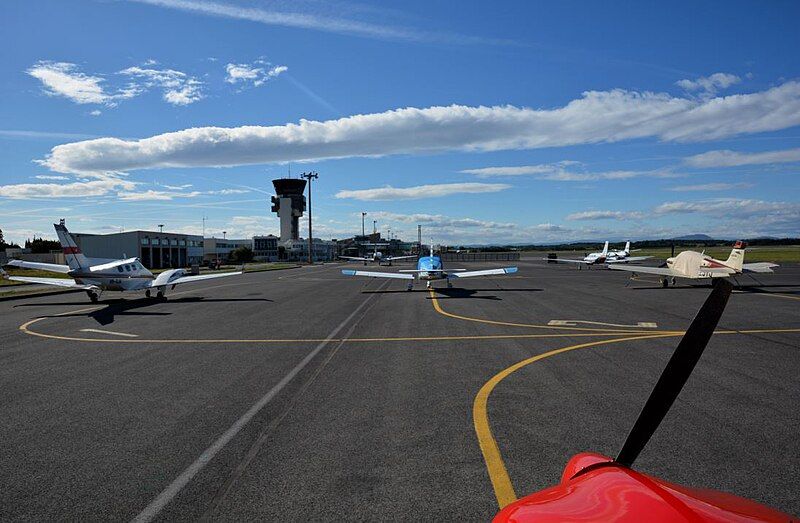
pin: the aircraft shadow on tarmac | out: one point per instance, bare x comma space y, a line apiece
122, 307
755, 289
448, 294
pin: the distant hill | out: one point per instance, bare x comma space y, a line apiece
700, 237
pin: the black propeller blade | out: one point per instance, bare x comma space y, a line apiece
676, 373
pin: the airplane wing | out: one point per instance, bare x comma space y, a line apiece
661, 271
761, 267
486, 272
355, 258
373, 274
565, 260
393, 258
431, 270
630, 259
59, 282
200, 277
52, 267
111, 265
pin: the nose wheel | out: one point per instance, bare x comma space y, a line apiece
428, 285
93, 296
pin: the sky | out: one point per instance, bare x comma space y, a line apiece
501, 122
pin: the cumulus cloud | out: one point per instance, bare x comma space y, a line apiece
596, 117
178, 87
605, 215
727, 158
709, 85
64, 79
255, 74
731, 208
710, 187
421, 191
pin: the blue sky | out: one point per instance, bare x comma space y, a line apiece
484, 122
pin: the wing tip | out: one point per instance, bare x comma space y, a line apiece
348, 272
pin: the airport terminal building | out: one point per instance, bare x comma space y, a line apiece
156, 250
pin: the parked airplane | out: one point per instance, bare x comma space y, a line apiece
594, 487
430, 268
605, 256
693, 265
96, 275
376, 256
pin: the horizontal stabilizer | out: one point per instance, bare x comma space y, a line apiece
762, 267
373, 274
630, 259
201, 277
52, 267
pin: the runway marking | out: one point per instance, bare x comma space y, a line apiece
498, 474
173, 489
439, 309
124, 334
641, 324
772, 294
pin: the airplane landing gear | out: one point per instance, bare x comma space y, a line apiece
410, 286
428, 285
665, 283
449, 284
160, 295
147, 293
93, 296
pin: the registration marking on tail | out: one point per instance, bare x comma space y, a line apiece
573, 323
123, 334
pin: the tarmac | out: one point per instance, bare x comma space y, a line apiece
308, 395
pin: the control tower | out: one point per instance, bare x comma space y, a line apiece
289, 204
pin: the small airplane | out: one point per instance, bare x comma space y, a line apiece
430, 268
692, 265
594, 487
376, 256
96, 275
605, 256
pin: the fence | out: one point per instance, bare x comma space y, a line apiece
479, 256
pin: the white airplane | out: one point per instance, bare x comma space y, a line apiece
96, 275
605, 256
430, 268
376, 256
693, 265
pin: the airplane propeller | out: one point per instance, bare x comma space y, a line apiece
676, 373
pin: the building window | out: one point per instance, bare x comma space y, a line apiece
173, 241
156, 241
145, 241
182, 243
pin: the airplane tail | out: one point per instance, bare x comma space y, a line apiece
72, 253
605, 249
736, 259
627, 247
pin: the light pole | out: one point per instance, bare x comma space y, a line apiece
310, 176
161, 227
374, 226
363, 214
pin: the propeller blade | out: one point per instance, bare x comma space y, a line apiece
676, 373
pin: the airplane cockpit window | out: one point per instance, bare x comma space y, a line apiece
119, 268
128, 268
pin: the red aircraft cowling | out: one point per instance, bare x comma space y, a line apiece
595, 488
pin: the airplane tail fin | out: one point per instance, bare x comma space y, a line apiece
736, 259
72, 253
627, 247
605, 248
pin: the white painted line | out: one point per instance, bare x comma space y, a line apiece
111, 332
573, 323
173, 489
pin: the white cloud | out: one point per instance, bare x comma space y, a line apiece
561, 172
317, 21
421, 191
709, 85
63, 79
50, 177
228, 191
605, 215
96, 112
179, 88
155, 195
256, 73
731, 208
710, 187
609, 116
439, 220
100, 187
726, 158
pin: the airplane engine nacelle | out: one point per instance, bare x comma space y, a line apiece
168, 276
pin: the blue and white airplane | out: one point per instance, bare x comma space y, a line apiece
430, 268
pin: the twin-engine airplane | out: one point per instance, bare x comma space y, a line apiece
96, 275
693, 265
430, 268
606, 256
376, 256
594, 487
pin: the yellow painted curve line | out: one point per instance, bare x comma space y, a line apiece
443, 312
501, 482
